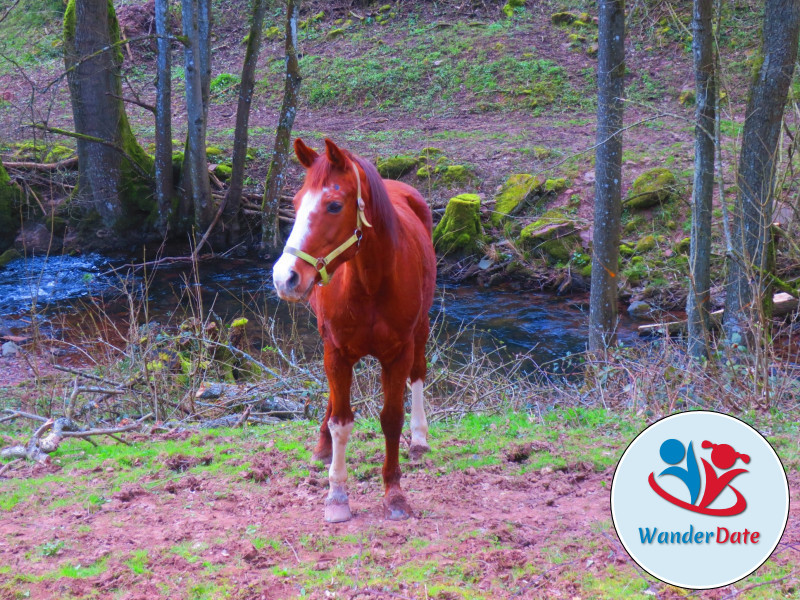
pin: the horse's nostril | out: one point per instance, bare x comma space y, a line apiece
293, 280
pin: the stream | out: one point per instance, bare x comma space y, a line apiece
58, 289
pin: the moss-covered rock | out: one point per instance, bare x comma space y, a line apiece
10, 198
459, 231
687, 98
429, 152
424, 172
223, 171
59, 153
454, 174
396, 166
508, 8
646, 244
272, 33
652, 187
683, 246
634, 224
9, 255
213, 151
555, 185
625, 249
334, 33
563, 18
28, 151
515, 193
553, 235
55, 224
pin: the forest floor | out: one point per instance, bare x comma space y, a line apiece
508, 506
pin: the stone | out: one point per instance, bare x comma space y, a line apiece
553, 235
555, 185
563, 18
645, 244
651, 188
460, 231
223, 172
9, 255
687, 98
396, 166
639, 309
514, 194
36, 239
683, 246
10, 349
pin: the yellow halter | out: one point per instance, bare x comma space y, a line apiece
321, 263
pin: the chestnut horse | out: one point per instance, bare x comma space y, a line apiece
367, 243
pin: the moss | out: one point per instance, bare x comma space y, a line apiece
542, 153
652, 187
9, 255
687, 98
683, 246
625, 249
555, 185
334, 33
385, 8
28, 151
586, 270
55, 224
251, 154
213, 151
59, 153
240, 322
223, 171
424, 172
272, 33
430, 151
396, 166
459, 231
563, 18
516, 191
634, 223
646, 244
455, 174
10, 199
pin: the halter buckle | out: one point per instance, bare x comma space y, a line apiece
321, 263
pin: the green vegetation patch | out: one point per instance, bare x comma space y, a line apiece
460, 231
652, 188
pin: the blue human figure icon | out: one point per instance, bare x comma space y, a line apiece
672, 453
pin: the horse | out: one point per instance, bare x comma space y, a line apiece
360, 252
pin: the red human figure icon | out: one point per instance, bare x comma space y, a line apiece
724, 457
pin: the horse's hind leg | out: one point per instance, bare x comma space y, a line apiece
340, 424
324, 450
419, 424
393, 378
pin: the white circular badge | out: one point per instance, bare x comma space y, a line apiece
700, 499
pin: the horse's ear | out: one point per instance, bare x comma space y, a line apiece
335, 155
305, 155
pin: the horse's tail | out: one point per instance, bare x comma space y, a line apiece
421, 209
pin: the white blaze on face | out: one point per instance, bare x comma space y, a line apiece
339, 435
419, 424
283, 268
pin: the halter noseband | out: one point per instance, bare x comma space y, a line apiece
321, 263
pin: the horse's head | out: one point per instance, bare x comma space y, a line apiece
329, 217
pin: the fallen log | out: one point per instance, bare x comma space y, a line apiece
34, 166
782, 304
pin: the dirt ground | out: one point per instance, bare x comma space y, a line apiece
544, 534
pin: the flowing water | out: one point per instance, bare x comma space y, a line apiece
58, 290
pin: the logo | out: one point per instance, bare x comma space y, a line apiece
723, 456
699, 499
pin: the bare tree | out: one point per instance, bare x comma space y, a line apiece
113, 168
276, 176
195, 161
234, 195
748, 283
163, 157
697, 302
608, 169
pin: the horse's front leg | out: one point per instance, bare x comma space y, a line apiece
340, 423
394, 378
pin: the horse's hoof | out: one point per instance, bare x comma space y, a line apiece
323, 457
337, 513
395, 507
416, 451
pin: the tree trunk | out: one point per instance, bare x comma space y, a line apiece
163, 162
234, 195
270, 229
608, 170
697, 302
195, 160
748, 273
114, 187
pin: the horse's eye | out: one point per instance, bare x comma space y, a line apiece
335, 207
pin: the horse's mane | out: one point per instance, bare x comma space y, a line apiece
382, 215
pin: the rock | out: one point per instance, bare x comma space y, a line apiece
625, 249
35, 239
555, 185
645, 244
652, 187
459, 231
334, 33
687, 98
509, 7
563, 18
213, 151
396, 166
424, 172
681, 247
9, 255
593, 49
514, 194
223, 171
553, 235
639, 309
454, 174
10, 349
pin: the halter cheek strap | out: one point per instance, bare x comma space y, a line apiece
321, 263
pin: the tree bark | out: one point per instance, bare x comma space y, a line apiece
107, 177
749, 279
163, 159
608, 178
195, 160
240, 138
276, 176
697, 302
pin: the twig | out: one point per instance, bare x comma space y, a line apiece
8, 466
297, 558
62, 164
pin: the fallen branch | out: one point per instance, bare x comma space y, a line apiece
35, 166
